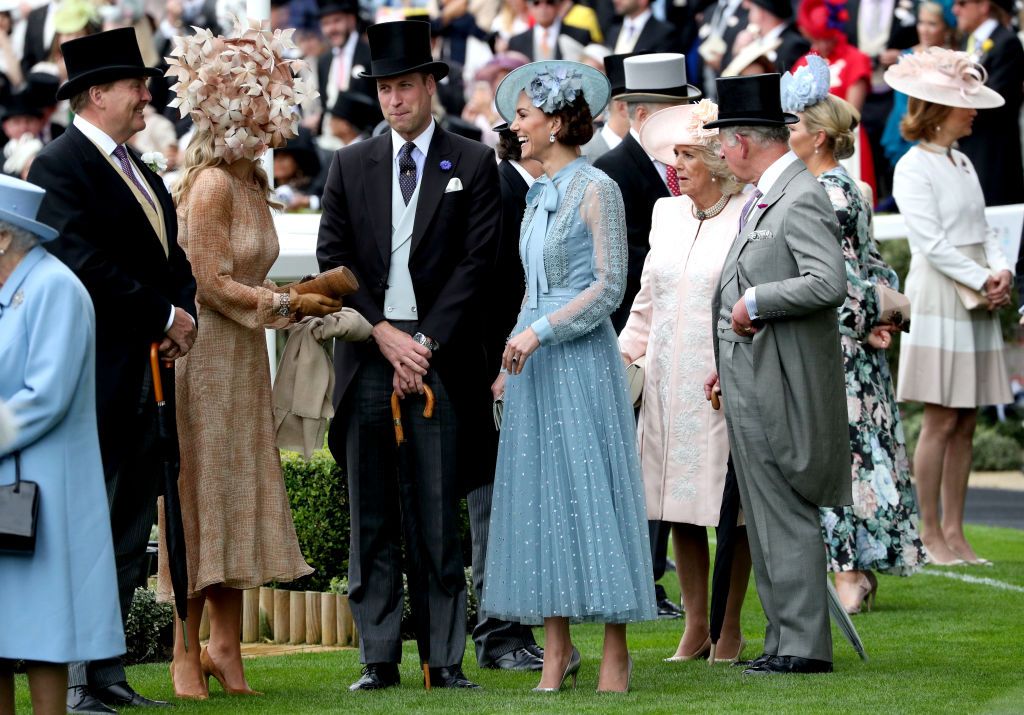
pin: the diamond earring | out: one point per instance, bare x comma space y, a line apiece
551, 137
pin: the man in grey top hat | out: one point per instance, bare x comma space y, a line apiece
782, 378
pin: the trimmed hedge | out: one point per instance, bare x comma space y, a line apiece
149, 632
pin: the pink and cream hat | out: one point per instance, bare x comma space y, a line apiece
946, 77
242, 87
682, 124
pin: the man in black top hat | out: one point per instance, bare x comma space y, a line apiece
414, 213
774, 20
782, 381
616, 114
18, 116
340, 68
118, 233
994, 144
353, 116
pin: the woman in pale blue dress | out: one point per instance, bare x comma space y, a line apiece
568, 535
54, 603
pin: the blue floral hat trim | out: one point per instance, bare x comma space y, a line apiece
551, 85
807, 86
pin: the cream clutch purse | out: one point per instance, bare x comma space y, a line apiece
635, 380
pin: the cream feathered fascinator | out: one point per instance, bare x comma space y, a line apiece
242, 88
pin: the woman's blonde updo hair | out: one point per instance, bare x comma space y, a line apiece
710, 154
200, 155
838, 119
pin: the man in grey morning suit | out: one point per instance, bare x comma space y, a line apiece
782, 376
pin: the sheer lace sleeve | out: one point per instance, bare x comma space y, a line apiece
602, 212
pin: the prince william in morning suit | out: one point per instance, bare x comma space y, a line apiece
783, 387
414, 213
118, 233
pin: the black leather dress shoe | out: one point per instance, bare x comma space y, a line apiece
755, 663
450, 677
377, 676
786, 664
80, 700
668, 610
518, 659
123, 695
536, 650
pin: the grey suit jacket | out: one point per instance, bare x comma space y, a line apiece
790, 250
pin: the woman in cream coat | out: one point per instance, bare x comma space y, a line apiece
683, 444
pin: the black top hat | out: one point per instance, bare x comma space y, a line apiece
329, 7
751, 101
358, 109
782, 9
19, 104
616, 74
42, 89
1006, 5
458, 125
302, 149
101, 58
401, 47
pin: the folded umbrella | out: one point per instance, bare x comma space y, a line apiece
174, 532
842, 620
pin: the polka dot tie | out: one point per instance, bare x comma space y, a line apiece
407, 171
672, 179
126, 166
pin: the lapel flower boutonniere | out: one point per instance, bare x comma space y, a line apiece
445, 165
762, 206
987, 45
156, 161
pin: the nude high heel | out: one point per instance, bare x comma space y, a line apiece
572, 669
629, 679
188, 696
703, 652
210, 668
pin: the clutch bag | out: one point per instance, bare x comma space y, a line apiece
335, 283
635, 380
19, 513
970, 298
497, 410
894, 308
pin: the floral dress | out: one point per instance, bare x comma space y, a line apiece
879, 532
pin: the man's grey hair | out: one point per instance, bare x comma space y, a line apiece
763, 136
651, 107
22, 241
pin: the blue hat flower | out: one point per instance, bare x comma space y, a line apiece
807, 86
551, 85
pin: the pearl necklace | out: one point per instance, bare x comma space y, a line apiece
718, 207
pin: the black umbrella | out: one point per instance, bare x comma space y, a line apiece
174, 532
416, 560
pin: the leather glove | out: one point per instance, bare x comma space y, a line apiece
312, 304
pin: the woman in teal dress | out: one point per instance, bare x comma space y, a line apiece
880, 531
568, 535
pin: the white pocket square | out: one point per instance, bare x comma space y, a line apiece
454, 184
760, 235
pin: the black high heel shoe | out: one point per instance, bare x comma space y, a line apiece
572, 669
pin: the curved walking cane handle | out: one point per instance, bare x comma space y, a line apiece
396, 417
154, 364
428, 411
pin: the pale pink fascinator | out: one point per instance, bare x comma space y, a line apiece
682, 124
946, 77
242, 88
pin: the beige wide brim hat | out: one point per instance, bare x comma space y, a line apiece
946, 77
680, 125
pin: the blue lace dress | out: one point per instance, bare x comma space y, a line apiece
568, 534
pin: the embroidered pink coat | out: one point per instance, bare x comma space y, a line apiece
683, 443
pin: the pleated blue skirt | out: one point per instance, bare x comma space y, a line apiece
568, 534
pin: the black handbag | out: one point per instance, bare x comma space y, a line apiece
19, 513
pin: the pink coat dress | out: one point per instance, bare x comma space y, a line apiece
683, 443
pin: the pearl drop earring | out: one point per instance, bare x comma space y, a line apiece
815, 150
551, 137
713, 179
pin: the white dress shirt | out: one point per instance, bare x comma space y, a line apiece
982, 33
630, 32
764, 185
552, 36
419, 154
611, 139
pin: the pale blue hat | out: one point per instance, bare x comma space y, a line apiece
551, 85
19, 205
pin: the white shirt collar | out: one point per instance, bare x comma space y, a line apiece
527, 176
773, 172
639, 22
553, 32
422, 142
774, 33
636, 135
610, 137
984, 31
95, 134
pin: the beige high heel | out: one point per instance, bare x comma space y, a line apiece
713, 655
188, 696
210, 668
572, 669
703, 652
629, 679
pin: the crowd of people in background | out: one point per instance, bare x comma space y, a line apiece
546, 204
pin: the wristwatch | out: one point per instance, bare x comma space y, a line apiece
284, 305
429, 343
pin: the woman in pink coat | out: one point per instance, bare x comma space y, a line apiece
682, 441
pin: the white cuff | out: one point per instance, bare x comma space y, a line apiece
751, 300
170, 320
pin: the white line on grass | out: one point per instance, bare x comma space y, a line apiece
979, 580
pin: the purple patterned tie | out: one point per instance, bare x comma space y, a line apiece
126, 166
407, 171
748, 206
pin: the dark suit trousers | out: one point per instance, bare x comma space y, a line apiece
415, 493
493, 637
133, 485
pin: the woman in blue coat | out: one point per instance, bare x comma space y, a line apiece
54, 604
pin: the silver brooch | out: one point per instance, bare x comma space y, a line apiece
18, 299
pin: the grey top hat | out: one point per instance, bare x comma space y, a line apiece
660, 77
19, 205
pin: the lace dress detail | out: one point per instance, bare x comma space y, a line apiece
568, 533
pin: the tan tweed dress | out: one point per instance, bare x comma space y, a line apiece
238, 526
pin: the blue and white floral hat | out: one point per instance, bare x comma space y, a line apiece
806, 86
551, 85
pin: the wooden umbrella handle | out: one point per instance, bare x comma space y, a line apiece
396, 416
428, 410
154, 365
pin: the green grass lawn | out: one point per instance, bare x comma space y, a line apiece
935, 644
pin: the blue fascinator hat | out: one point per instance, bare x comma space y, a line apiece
19, 204
806, 86
551, 85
